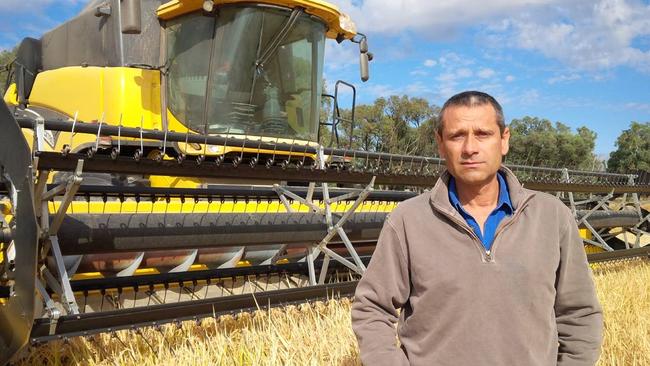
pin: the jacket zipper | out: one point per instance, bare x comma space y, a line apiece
487, 254
475, 238
490, 253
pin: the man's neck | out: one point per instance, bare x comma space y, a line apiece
481, 196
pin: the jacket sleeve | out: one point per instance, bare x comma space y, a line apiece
384, 288
577, 310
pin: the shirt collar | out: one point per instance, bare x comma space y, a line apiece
504, 195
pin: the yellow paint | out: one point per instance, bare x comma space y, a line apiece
87, 276
593, 249
189, 206
243, 264
11, 95
329, 13
145, 271
585, 234
114, 92
5, 206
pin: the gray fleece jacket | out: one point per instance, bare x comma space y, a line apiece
530, 301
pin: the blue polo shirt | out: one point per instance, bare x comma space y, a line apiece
504, 208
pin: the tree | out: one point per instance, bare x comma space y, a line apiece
632, 150
397, 124
536, 141
6, 57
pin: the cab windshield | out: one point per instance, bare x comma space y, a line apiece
247, 70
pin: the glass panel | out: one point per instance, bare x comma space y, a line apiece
188, 58
262, 81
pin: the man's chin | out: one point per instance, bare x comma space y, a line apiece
474, 177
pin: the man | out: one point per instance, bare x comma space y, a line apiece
484, 271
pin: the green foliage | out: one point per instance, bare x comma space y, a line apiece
405, 125
6, 57
632, 150
536, 141
397, 124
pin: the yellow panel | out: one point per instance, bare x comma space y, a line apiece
593, 249
243, 264
329, 13
189, 206
87, 276
145, 271
585, 234
11, 96
92, 92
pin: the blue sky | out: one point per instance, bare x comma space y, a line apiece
581, 62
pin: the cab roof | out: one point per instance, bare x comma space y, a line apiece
339, 23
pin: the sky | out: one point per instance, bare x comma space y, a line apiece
579, 62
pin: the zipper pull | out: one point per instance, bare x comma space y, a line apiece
488, 256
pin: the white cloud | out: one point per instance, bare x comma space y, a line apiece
417, 88
31, 18
529, 97
563, 78
464, 73
419, 72
430, 63
591, 35
381, 90
340, 56
32, 6
485, 73
510, 78
452, 59
645, 107
437, 18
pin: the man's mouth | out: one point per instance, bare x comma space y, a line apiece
471, 163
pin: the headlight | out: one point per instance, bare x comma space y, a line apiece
347, 24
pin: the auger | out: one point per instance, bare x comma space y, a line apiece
161, 162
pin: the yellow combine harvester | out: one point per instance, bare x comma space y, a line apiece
247, 73
161, 162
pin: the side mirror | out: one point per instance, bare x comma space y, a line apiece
363, 45
364, 58
364, 64
131, 16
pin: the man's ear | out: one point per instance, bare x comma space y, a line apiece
505, 141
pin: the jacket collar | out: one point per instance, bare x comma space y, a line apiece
439, 195
502, 200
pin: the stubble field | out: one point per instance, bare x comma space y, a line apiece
320, 333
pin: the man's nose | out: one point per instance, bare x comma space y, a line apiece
470, 146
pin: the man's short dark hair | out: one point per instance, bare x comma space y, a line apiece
471, 98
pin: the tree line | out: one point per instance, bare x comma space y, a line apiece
406, 125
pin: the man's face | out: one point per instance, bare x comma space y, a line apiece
472, 144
